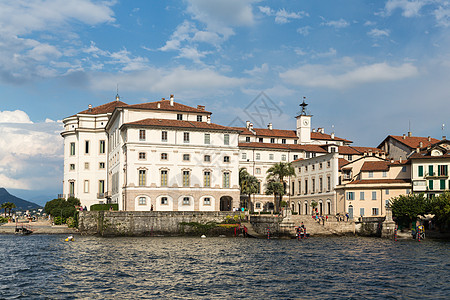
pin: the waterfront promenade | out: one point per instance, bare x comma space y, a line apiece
39, 227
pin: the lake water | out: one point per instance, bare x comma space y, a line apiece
46, 267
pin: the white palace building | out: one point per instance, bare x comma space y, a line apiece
167, 156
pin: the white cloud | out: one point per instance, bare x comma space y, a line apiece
376, 33
409, 8
442, 15
16, 116
193, 54
304, 30
346, 74
369, 23
264, 68
181, 33
341, 23
282, 16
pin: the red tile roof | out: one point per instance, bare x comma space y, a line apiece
375, 166
324, 136
371, 181
291, 147
165, 105
347, 150
104, 108
180, 124
411, 141
367, 149
342, 162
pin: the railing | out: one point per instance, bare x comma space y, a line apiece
435, 175
61, 196
70, 195
100, 195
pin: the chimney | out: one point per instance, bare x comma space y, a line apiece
332, 135
201, 107
159, 105
247, 124
417, 150
250, 126
404, 136
444, 137
400, 159
409, 134
90, 107
269, 126
420, 144
117, 97
162, 99
429, 138
314, 130
320, 130
171, 100
392, 160
208, 119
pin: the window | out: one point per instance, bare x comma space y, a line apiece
361, 211
283, 141
226, 159
71, 188
101, 187
86, 147
350, 195
179, 117
374, 211
141, 155
272, 141
384, 174
164, 201
313, 167
142, 178
328, 164
306, 168
186, 178
442, 184
207, 158
295, 142
86, 186
72, 148
163, 136
349, 157
283, 157
207, 201
207, 178
164, 156
386, 191
72, 167
199, 118
86, 166
293, 188
207, 138
270, 156
442, 170
299, 187
370, 174
258, 171
374, 195
226, 179
247, 139
333, 149
258, 156
186, 137
420, 171
295, 156
142, 135
320, 166
313, 185
142, 201
226, 139
164, 177
261, 140
186, 157
328, 183
308, 155
101, 165
186, 201
404, 169
320, 184
258, 205
244, 155
361, 196
430, 184
306, 186
102, 147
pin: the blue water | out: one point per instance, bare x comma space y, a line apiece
46, 267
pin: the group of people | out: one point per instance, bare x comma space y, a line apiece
320, 218
301, 231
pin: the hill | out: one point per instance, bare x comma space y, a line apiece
20, 203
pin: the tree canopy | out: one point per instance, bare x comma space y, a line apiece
62, 207
277, 173
248, 185
8, 206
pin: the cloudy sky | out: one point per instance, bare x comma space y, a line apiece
367, 68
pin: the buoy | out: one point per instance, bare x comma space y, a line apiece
69, 239
203, 236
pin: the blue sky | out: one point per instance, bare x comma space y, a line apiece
367, 68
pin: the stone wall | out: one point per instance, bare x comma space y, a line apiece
145, 223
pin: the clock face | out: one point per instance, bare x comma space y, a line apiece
305, 122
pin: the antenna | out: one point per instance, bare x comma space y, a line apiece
117, 95
409, 125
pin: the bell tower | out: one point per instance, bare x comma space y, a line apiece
304, 125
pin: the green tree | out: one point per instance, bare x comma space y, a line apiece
440, 207
278, 172
406, 208
275, 188
5, 207
62, 208
314, 204
248, 186
8, 207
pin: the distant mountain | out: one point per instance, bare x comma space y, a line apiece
20, 203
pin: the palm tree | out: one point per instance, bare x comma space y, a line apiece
5, 207
248, 185
277, 173
275, 187
8, 206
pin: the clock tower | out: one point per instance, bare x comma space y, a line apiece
304, 125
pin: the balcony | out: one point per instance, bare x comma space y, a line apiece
435, 175
419, 186
61, 196
100, 195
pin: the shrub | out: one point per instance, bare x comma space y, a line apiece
101, 207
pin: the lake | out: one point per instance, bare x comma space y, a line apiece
46, 267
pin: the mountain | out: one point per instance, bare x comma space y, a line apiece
20, 203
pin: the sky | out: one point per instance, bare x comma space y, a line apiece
368, 69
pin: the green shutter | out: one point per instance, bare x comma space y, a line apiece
430, 184
430, 170
420, 170
439, 170
442, 184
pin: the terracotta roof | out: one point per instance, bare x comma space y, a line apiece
180, 124
419, 155
342, 162
375, 166
104, 108
367, 149
244, 130
308, 148
371, 181
291, 147
165, 105
347, 150
324, 136
411, 141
